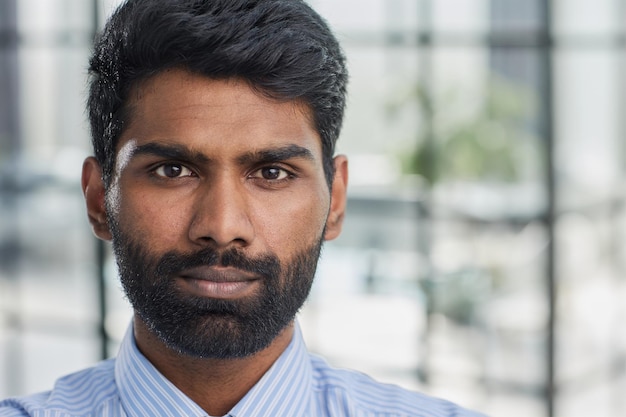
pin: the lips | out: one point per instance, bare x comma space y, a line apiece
218, 282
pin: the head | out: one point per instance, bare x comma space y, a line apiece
282, 48
214, 125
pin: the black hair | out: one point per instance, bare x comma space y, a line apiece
283, 48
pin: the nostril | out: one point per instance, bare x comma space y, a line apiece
221, 231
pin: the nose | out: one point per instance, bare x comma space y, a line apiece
221, 214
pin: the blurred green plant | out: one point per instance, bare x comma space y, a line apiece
459, 295
492, 141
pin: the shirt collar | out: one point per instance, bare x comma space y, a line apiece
144, 391
283, 390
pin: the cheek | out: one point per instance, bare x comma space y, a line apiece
293, 223
152, 218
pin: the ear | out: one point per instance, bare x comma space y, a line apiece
93, 190
338, 199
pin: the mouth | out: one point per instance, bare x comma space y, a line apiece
218, 282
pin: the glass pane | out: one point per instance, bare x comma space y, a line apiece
587, 122
469, 16
590, 167
516, 16
581, 17
46, 20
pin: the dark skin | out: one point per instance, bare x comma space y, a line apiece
212, 162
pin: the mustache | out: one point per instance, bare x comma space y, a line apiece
173, 262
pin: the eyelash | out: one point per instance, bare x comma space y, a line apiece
287, 174
182, 167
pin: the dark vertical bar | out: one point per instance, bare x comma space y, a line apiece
100, 248
102, 299
9, 74
547, 128
10, 145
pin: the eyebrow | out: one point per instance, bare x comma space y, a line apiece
169, 151
277, 154
182, 153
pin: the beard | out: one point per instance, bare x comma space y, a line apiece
204, 327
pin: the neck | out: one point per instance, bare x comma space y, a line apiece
216, 385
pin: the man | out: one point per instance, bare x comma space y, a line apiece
213, 125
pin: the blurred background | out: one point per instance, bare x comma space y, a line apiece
484, 250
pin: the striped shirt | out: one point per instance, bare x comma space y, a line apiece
298, 384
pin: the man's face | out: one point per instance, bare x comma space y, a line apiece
217, 212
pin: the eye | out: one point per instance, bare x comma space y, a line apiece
271, 174
173, 171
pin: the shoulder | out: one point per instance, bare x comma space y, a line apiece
83, 393
21, 407
359, 394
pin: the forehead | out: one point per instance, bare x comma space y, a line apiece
182, 106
